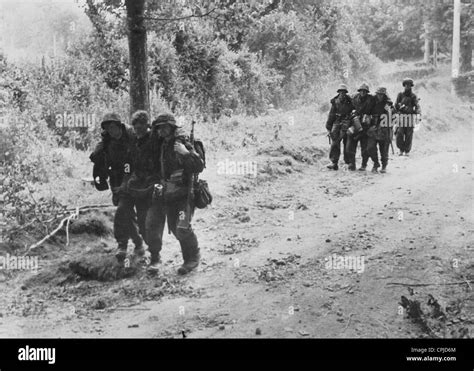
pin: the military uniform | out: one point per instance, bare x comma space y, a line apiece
139, 187
338, 123
175, 172
116, 155
363, 106
406, 104
380, 135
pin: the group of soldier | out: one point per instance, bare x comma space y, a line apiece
150, 167
361, 119
137, 162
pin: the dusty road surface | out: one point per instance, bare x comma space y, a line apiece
265, 249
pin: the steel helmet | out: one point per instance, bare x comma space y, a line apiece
165, 118
408, 81
342, 87
364, 86
110, 117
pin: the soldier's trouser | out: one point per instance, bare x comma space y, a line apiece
155, 224
383, 147
364, 139
125, 222
351, 148
142, 207
404, 139
345, 143
338, 134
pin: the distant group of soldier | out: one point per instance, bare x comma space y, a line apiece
149, 170
360, 119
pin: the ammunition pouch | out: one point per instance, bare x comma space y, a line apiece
174, 189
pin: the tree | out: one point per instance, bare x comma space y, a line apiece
139, 93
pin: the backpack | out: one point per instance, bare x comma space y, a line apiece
202, 195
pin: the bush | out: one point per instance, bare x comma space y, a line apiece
206, 76
95, 224
27, 158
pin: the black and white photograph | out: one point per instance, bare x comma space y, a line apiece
230, 169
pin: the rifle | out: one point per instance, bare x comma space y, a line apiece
185, 222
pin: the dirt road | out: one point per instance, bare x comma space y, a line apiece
265, 249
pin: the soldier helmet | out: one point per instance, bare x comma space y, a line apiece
342, 87
108, 118
381, 90
140, 116
165, 118
365, 87
408, 81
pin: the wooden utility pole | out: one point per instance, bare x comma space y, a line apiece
137, 39
427, 44
456, 39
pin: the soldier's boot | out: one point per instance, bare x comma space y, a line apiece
191, 257
155, 263
121, 253
138, 242
363, 168
352, 167
375, 169
401, 153
333, 167
384, 169
140, 250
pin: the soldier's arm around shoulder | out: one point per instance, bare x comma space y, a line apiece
192, 161
99, 151
130, 133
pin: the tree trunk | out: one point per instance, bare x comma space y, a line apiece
456, 38
427, 44
466, 54
137, 40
